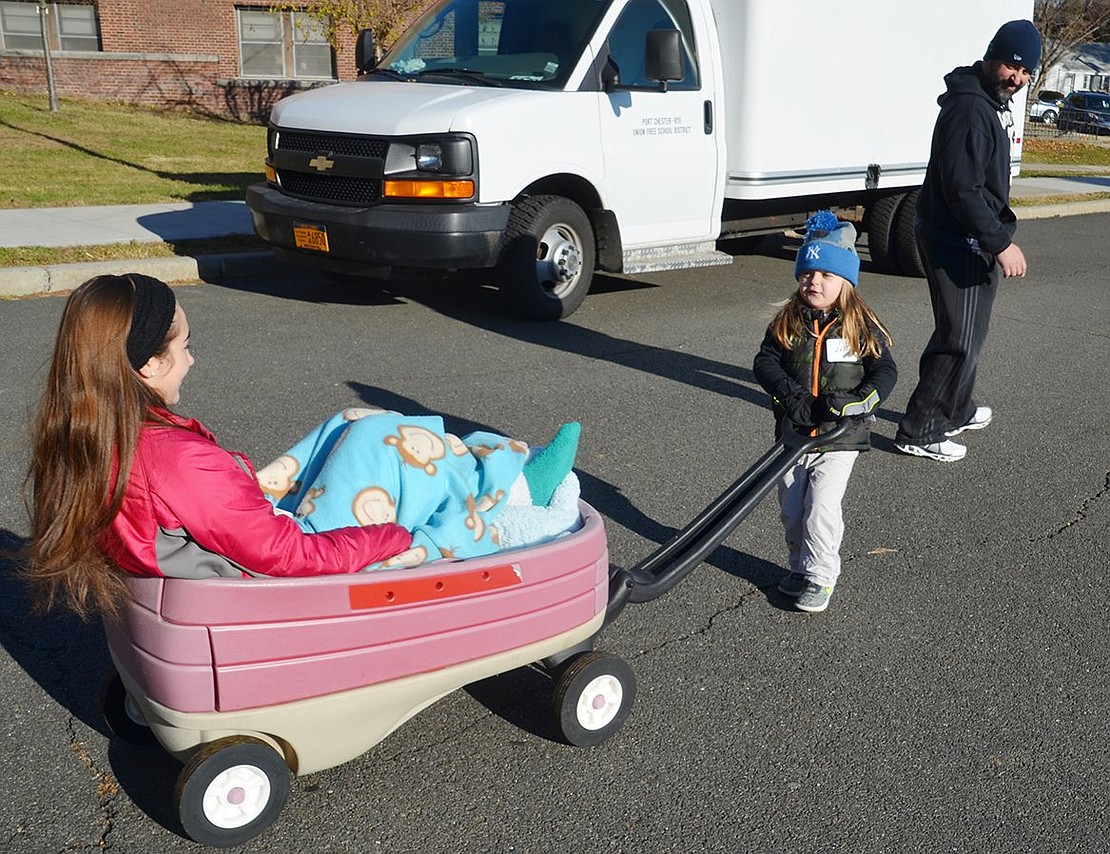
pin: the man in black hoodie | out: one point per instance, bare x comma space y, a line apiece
965, 231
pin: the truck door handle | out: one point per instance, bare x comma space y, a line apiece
708, 117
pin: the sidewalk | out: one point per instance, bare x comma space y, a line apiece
86, 226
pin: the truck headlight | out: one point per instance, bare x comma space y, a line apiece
450, 156
439, 167
429, 157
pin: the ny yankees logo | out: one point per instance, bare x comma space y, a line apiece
813, 252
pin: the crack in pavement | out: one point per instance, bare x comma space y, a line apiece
1080, 514
107, 787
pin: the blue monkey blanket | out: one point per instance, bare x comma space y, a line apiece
365, 466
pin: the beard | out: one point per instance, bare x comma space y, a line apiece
999, 89
1002, 91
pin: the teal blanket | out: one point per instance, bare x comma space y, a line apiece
364, 467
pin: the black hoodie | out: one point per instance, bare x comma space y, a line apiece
966, 193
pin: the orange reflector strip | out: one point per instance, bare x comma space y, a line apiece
429, 189
405, 591
271, 173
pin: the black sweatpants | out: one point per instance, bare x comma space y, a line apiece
962, 286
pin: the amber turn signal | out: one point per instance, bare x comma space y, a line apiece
429, 189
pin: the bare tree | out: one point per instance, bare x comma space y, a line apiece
1066, 23
386, 19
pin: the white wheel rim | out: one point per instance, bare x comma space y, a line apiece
600, 702
133, 712
237, 796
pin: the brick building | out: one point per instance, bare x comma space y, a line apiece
219, 57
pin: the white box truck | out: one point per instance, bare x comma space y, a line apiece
547, 139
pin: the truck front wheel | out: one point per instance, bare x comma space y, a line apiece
547, 261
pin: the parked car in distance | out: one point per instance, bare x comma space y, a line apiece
1046, 106
1085, 112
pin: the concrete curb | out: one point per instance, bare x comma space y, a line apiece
60, 278
1088, 206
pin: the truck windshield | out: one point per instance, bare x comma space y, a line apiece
524, 43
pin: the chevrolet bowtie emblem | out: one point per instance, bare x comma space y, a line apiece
321, 163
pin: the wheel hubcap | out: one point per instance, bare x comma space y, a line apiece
559, 259
599, 702
236, 796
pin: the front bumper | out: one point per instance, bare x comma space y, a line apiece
438, 236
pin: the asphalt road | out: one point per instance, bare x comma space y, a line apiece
953, 697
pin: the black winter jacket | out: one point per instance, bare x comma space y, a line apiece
966, 193
788, 376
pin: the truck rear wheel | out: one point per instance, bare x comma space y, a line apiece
547, 263
890, 235
905, 241
879, 225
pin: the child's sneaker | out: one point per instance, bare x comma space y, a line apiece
814, 599
793, 584
980, 418
946, 451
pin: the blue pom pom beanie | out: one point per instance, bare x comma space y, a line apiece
1016, 41
830, 246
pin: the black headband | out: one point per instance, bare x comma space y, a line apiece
150, 318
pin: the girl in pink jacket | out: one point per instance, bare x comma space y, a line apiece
118, 481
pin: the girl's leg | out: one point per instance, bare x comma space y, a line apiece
792, 491
823, 517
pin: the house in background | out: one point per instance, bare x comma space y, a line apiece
1086, 67
214, 56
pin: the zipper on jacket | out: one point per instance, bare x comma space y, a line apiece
818, 347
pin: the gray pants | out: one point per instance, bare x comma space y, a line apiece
810, 497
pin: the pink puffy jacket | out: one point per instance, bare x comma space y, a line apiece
194, 510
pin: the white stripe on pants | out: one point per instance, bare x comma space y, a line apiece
810, 497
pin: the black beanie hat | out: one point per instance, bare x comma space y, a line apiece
1017, 42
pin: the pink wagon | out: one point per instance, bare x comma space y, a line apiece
250, 681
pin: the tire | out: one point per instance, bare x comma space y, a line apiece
547, 263
905, 242
231, 790
1049, 117
122, 714
592, 698
880, 224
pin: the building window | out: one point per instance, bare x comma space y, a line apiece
283, 44
69, 26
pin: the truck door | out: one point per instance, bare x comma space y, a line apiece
660, 147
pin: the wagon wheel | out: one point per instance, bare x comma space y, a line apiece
231, 790
122, 714
592, 698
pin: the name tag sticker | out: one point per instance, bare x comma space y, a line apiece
837, 350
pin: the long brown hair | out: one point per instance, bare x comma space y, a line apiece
857, 323
88, 424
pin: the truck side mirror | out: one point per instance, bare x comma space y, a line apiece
364, 51
663, 59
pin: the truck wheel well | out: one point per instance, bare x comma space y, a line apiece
582, 193
573, 187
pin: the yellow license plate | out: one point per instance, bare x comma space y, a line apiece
313, 237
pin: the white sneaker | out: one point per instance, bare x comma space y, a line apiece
946, 452
979, 419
